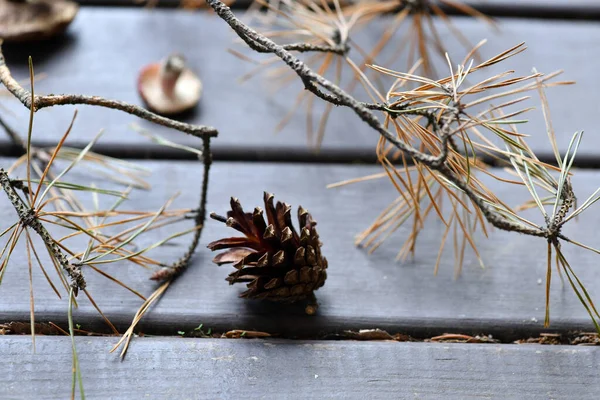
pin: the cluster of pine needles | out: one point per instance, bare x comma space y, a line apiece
483, 133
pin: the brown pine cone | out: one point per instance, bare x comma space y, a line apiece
277, 263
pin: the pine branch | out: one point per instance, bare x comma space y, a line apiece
304, 48
27, 215
337, 96
29, 219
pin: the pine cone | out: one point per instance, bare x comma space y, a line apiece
277, 263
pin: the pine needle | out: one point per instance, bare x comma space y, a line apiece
128, 335
76, 368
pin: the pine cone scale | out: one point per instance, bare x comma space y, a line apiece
234, 242
231, 256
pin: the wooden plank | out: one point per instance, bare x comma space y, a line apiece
218, 368
580, 9
363, 291
107, 64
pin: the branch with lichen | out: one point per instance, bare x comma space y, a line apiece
29, 219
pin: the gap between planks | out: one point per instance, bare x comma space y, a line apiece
276, 155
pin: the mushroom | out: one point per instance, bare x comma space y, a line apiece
23, 20
169, 87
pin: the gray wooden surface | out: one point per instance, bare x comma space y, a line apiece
106, 47
505, 299
529, 8
161, 368
101, 54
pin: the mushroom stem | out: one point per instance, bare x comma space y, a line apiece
170, 71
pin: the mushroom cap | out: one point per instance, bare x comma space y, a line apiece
41, 19
185, 95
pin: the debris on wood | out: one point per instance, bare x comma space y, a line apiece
460, 338
544, 338
24, 328
238, 333
199, 332
375, 334
586, 339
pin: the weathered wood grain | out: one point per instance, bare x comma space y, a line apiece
505, 299
106, 47
581, 9
158, 368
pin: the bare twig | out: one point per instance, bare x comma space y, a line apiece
174, 270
